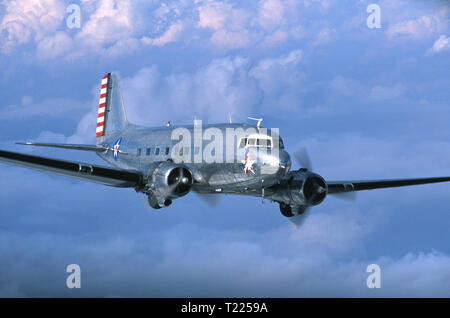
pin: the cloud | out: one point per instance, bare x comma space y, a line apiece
271, 14
229, 24
51, 108
183, 259
170, 35
440, 45
54, 46
325, 36
382, 93
30, 20
213, 15
210, 93
366, 113
112, 28
228, 86
420, 27
108, 27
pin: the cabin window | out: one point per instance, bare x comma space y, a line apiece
157, 151
186, 150
167, 151
251, 142
149, 150
197, 150
139, 151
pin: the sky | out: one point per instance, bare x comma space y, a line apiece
367, 103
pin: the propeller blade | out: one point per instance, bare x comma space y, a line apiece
302, 157
298, 220
347, 196
212, 200
147, 205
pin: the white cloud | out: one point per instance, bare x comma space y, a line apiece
113, 28
418, 28
440, 45
229, 24
51, 107
111, 21
230, 39
210, 93
171, 35
108, 27
228, 86
30, 20
213, 15
54, 46
271, 14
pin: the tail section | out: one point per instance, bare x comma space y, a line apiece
111, 116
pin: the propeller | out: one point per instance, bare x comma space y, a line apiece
210, 199
299, 219
346, 196
146, 204
302, 158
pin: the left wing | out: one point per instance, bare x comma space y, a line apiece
96, 148
99, 174
350, 186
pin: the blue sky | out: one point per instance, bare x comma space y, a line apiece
367, 103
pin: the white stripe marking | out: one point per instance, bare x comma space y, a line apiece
100, 119
101, 110
102, 100
103, 91
104, 81
100, 129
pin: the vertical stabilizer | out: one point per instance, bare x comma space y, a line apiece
111, 116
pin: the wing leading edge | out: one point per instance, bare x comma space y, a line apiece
99, 174
350, 186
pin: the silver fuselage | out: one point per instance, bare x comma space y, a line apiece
138, 152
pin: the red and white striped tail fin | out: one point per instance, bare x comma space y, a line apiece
102, 106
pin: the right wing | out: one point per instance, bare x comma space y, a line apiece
336, 187
99, 174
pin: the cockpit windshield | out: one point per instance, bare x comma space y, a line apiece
257, 141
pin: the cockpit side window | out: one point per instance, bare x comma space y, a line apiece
243, 143
281, 143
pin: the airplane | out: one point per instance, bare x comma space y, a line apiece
253, 162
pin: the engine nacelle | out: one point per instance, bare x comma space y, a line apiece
300, 189
167, 181
314, 189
